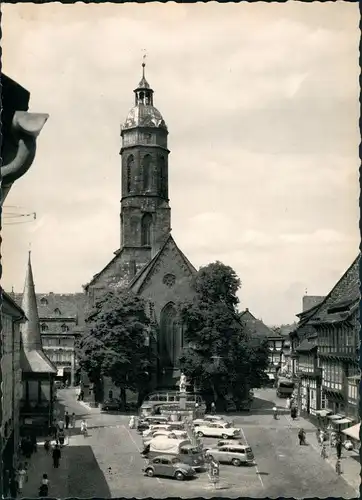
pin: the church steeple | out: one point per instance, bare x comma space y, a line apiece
143, 93
145, 213
30, 330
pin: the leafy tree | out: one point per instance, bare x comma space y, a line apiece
114, 344
218, 355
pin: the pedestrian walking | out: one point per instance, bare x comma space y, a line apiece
275, 412
72, 420
293, 413
81, 395
21, 478
47, 445
301, 437
287, 404
6, 481
339, 449
56, 455
61, 437
213, 408
13, 485
83, 428
34, 444
44, 487
60, 425
67, 420
318, 434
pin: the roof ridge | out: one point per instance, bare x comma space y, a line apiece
319, 306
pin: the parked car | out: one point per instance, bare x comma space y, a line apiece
165, 434
168, 467
154, 428
229, 442
210, 418
111, 405
218, 429
232, 454
147, 422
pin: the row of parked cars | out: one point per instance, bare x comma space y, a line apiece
171, 451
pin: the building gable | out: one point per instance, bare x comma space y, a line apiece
167, 278
346, 289
255, 327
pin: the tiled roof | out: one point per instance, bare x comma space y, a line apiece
36, 361
255, 327
310, 301
70, 305
306, 346
116, 256
337, 316
347, 288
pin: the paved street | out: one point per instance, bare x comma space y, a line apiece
108, 464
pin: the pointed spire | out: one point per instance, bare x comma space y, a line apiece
143, 85
30, 331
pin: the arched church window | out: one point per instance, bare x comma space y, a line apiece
146, 227
169, 335
147, 174
130, 163
163, 177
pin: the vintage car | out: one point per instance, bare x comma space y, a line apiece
154, 428
111, 405
229, 442
232, 454
209, 419
168, 466
147, 422
179, 448
218, 429
165, 434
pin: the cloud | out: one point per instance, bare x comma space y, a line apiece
264, 137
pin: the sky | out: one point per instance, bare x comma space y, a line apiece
261, 103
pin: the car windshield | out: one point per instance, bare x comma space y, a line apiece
248, 450
227, 425
175, 461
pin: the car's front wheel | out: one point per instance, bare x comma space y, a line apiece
225, 436
179, 476
200, 434
236, 462
150, 472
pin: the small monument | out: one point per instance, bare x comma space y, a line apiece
182, 385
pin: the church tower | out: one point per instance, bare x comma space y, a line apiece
145, 211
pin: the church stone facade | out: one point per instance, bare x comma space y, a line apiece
148, 262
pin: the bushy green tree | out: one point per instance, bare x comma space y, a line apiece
218, 354
115, 343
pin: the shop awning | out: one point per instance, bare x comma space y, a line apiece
323, 413
343, 421
335, 417
353, 431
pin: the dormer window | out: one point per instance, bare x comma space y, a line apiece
43, 301
65, 328
44, 327
57, 311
